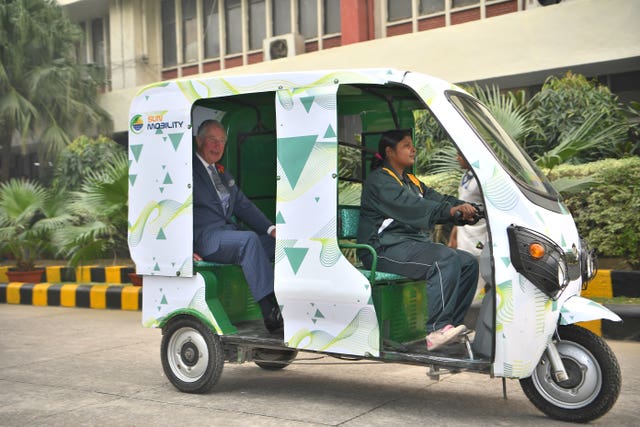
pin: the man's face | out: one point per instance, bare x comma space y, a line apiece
211, 144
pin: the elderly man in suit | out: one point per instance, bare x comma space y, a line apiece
216, 236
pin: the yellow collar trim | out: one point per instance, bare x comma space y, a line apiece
411, 176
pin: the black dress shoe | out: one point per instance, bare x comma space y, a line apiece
273, 321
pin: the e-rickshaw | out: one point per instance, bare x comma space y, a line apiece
287, 134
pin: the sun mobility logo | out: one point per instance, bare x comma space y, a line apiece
136, 124
154, 121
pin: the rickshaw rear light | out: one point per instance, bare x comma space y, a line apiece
536, 250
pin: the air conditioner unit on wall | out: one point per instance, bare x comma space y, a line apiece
283, 46
530, 4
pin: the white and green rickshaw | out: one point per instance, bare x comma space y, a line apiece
287, 134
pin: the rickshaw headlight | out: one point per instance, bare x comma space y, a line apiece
539, 259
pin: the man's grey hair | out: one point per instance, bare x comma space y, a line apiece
207, 123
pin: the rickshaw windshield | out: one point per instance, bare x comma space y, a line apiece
508, 152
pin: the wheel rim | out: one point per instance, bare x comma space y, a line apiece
188, 354
585, 377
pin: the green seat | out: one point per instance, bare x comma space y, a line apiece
348, 219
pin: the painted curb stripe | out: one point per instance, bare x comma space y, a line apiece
626, 283
121, 297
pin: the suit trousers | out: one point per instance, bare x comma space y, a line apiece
451, 276
254, 253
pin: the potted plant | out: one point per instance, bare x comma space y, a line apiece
27, 215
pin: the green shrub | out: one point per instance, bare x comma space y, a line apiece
564, 107
607, 213
83, 157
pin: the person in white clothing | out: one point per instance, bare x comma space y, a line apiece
470, 238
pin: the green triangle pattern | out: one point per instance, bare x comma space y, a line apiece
132, 179
506, 260
163, 301
161, 235
295, 257
156, 267
476, 164
318, 314
167, 179
317, 199
330, 133
370, 302
161, 189
158, 131
280, 218
135, 150
293, 154
307, 101
175, 139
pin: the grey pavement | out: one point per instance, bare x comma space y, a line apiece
72, 366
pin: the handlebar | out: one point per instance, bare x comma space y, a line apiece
480, 214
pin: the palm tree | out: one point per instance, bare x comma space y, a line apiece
45, 94
28, 215
99, 227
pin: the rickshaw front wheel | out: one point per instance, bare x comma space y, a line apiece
593, 384
192, 355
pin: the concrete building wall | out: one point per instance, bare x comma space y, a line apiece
517, 49
519, 46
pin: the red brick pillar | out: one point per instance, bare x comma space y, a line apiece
355, 22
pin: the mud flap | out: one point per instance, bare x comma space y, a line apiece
578, 309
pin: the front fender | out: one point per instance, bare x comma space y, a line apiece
578, 309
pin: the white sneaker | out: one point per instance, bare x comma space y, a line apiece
443, 336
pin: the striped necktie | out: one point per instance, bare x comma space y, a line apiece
221, 189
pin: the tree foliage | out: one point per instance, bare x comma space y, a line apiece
573, 112
45, 95
83, 157
99, 210
29, 213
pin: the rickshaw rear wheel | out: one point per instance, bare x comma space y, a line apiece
192, 355
274, 360
594, 378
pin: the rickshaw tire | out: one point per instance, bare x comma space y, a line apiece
204, 338
278, 359
610, 378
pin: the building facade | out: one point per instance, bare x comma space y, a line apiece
514, 43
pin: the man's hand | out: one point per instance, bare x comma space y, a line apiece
273, 233
196, 257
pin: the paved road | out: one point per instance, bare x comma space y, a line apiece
66, 366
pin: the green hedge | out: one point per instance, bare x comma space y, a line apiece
607, 213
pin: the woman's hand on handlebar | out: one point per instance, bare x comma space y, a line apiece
467, 211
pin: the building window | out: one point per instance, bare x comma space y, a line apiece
308, 18
257, 24
81, 54
463, 3
169, 53
189, 31
398, 10
431, 6
196, 31
211, 29
281, 17
332, 24
233, 15
98, 42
